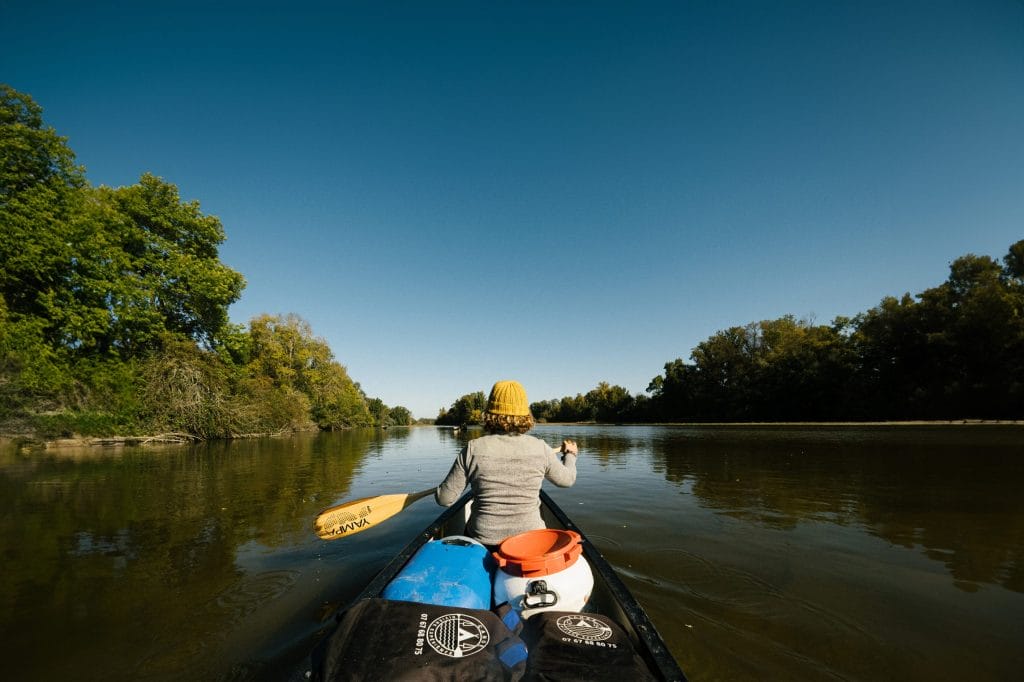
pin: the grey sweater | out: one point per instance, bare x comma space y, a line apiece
505, 472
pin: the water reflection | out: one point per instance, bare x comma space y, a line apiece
952, 492
146, 543
760, 553
816, 553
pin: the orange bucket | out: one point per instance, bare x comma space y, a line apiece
539, 552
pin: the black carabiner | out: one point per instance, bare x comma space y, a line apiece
539, 590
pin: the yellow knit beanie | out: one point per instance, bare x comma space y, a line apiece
508, 397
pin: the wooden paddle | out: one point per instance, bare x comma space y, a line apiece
349, 518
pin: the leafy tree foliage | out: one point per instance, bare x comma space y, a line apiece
114, 311
775, 369
604, 403
608, 402
955, 351
379, 412
168, 250
469, 409
567, 409
285, 351
40, 190
388, 416
400, 416
108, 270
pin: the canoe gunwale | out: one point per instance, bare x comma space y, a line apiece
653, 647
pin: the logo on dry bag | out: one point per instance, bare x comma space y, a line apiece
457, 635
584, 627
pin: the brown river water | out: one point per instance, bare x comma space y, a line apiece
760, 553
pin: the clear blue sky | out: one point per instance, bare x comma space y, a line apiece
563, 193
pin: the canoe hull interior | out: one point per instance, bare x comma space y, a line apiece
610, 596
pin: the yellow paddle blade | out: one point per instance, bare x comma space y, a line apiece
354, 517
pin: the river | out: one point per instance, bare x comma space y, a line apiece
761, 553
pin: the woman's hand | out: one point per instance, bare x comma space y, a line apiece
569, 447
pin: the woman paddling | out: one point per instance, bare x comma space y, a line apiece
506, 468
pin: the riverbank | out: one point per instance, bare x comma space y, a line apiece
34, 443
29, 442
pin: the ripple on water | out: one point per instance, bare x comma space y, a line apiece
251, 592
178, 646
735, 610
603, 541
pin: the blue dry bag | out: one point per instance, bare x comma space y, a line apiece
452, 571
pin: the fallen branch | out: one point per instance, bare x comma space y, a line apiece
145, 440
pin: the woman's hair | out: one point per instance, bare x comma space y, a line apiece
507, 423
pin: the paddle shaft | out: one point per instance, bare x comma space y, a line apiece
420, 495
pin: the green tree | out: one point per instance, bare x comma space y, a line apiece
672, 395
41, 187
544, 410
31, 372
113, 309
379, 412
108, 270
974, 324
284, 350
783, 369
724, 375
400, 416
154, 267
468, 409
953, 352
610, 403
802, 370
1013, 266
574, 409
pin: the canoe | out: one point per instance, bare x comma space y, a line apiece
610, 597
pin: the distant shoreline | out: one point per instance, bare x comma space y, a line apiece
7, 440
919, 422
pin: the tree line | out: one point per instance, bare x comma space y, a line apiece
114, 312
954, 351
